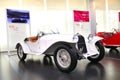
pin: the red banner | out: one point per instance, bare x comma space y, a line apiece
81, 16
119, 16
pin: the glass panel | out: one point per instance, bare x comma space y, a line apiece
107, 14
9, 4
56, 4
33, 4
113, 11
100, 10
78, 4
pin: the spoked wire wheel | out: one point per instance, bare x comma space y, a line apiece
65, 59
21, 53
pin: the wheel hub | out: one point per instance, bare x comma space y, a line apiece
63, 58
20, 52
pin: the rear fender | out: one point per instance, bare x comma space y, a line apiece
24, 47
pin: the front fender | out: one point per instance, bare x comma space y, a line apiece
95, 39
91, 43
91, 47
24, 47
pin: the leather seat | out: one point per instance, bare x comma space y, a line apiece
33, 38
107, 35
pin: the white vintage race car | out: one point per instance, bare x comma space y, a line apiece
66, 49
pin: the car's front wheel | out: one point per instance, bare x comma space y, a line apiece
65, 59
21, 53
97, 58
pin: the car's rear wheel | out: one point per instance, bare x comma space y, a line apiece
21, 53
65, 59
97, 58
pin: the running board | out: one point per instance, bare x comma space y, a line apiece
88, 55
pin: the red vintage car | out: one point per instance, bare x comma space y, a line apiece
110, 39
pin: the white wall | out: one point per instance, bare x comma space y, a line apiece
3, 30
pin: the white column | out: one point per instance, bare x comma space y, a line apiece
67, 15
20, 3
45, 5
107, 16
92, 16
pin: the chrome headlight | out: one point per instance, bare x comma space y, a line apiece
90, 37
75, 37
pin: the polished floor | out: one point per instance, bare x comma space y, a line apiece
43, 68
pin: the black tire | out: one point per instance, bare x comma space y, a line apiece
99, 57
65, 59
20, 53
47, 60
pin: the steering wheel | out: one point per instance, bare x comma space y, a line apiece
114, 30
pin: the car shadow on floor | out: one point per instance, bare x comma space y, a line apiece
46, 70
114, 53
